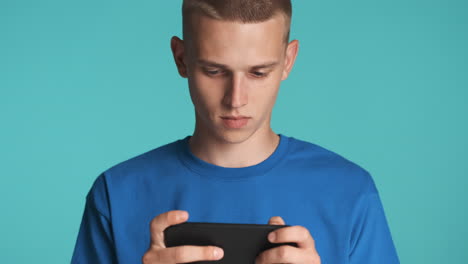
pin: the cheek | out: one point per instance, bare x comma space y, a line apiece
263, 96
206, 92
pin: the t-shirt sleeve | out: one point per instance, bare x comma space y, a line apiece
371, 240
95, 242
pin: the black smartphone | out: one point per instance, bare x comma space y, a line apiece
241, 243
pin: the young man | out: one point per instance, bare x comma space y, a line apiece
234, 168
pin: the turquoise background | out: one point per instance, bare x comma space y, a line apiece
87, 84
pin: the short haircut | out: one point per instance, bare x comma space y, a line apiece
245, 11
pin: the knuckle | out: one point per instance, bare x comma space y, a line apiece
169, 216
304, 232
300, 228
175, 216
158, 256
154, 223
208, 252
149, 256
314, 259
178, 254
283, 252
304, 229
145, 259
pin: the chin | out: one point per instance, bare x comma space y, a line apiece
234, 136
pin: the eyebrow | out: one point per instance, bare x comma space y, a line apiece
218, 65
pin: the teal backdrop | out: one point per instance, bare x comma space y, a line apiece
87, 84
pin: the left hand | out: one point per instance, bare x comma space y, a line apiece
305, 253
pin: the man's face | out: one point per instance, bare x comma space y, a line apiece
234, 70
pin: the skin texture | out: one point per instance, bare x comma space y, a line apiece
219, 60
158, 253
235, 89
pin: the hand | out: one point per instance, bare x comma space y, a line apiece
304, 253
159, 254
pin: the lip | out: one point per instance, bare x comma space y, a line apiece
235, 122
235, 117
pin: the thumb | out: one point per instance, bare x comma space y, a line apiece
276, 220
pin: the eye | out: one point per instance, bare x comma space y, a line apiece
212, 72
259, 74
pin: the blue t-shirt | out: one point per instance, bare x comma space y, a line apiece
305, 184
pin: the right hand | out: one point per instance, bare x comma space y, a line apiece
158, 253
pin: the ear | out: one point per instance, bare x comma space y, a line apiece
177, 46
291, 54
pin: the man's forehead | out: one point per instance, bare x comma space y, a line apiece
218, 32
223, 43
259, 65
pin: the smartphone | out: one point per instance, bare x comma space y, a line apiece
241, 243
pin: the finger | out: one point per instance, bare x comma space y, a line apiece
296, 234
185, 254
161, 222
276, 220
282, 254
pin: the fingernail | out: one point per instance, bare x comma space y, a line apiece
181, 216
272, 237
217, 252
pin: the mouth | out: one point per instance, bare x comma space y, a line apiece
235, 122
235, 117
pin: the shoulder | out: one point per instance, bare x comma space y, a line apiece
130, 174
317, 155
140, 168
330, 166
152, 158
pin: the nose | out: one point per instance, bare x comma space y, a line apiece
236, 92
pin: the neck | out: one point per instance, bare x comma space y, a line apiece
238, 152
